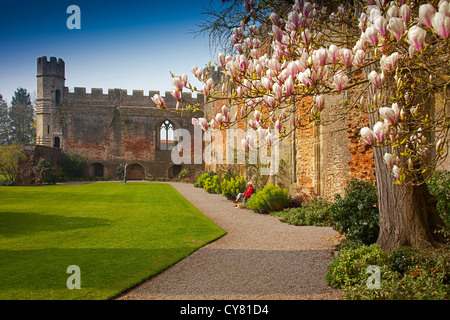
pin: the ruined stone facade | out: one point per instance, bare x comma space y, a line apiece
110, 129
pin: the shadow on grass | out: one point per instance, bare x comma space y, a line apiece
25, 223
104, 272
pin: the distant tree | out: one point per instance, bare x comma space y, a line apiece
21, 114
4, 122
9, 160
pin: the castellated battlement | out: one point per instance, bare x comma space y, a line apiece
121, 97
53, 67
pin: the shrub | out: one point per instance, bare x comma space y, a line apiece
356, 215
270, 198
439, 186
212, 184
312, 213
232, 186
350, 267
201, 180
73, 165
6, 182
44, 172
183, 174
408, 274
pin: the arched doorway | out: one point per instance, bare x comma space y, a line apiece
175, 170
135, 172
96, 169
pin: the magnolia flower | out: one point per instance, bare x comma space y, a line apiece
277, 33
178, 83
405, 12
390, 160
289, 85
388, 114
426, 12
278, 125
320, 101
381, 25
274, 18
195, 122
397, 27
321, 56
367, 135
277, 91
269, 138
340, 81
203, 123
219, 118
221, 59
346, 57
257, 115
261, 132
159, 101
371, 35
266, 83
441, 25
375, 78
416, 37
333, 53
358, 58
379, 131
396, 171
176, 94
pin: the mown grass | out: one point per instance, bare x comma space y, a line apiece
118, 235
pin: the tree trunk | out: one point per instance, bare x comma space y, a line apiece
408, 215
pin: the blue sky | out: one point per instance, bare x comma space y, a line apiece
131, 44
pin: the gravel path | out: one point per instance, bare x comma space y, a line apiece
259, 258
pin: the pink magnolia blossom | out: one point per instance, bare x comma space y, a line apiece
321, 55
219, 118
277, 33
367, 135
396, 171
379, 131
159, 101
320, 101
381, 25
377, 79
269, 138
416, 37
426, 12
278, 125
390, 160
340, 81
266, 83
270, 101
371, 35
277, 91
397, 27
289, 85
388, 114
176, 94
195, 122
203, 123
405, 12
274, 18
178, 83
333, 53
358, 58
221, 60
441, 25
346, 57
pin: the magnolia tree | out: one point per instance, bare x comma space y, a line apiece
392, 57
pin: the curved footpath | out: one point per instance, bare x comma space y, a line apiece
259, 258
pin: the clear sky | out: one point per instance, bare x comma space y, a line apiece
130, 44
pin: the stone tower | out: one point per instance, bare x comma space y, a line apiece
50, 89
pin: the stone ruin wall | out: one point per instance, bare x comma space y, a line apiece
116, 128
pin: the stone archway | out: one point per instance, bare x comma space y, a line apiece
174, 170
135, 172
96, 169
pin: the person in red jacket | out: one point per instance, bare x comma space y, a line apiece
244, 196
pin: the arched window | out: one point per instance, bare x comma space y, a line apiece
57, 97
57, 142
166, 135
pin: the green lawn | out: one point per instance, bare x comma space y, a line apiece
118, 235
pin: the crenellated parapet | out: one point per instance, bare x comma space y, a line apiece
79, 95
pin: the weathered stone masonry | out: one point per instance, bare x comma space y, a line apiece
108, 129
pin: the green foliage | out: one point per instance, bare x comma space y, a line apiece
21, 114
439, 186
44, 172
232, 186
183, 174
73, 165
351, 265
213, 184
201, 180
408, 274
270, 198
312, 213
356, 214
10, 156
